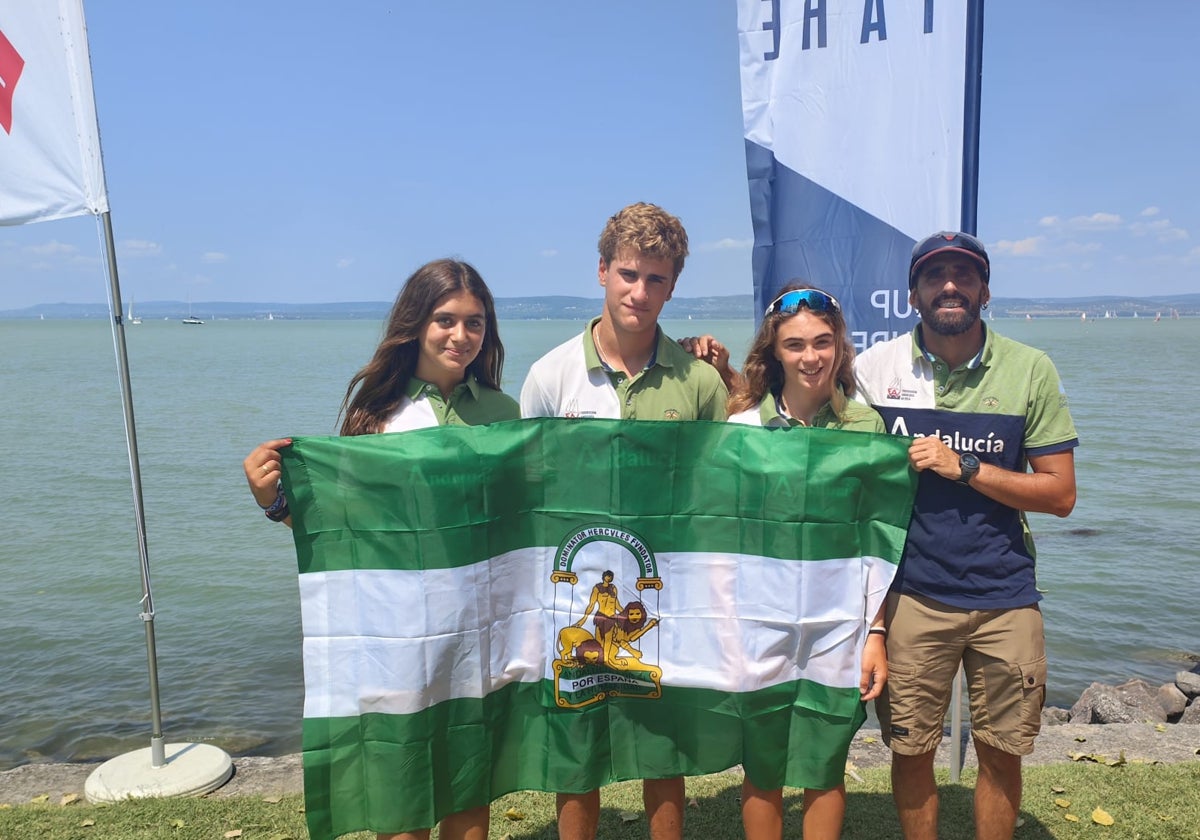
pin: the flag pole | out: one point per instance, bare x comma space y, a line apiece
53, 165
157, 756
160, 770
969, 222
972, 99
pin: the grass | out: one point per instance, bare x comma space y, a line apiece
1144, 800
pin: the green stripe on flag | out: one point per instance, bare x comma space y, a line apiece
450, 496
358, 771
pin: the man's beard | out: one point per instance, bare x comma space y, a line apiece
950, 321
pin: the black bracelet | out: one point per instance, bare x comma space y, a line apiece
877, 631
277, 511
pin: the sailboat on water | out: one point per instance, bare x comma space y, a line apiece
131, 318
191, 319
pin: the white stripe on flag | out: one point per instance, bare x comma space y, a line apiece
398, 641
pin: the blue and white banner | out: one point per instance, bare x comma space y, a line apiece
856, 121
50, 164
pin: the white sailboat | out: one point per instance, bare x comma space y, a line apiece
191, 319
131, 318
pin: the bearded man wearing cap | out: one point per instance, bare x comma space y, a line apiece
992, 440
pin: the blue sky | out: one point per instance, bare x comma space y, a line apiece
311, 152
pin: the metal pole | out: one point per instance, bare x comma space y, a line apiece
972, 98
956, 726
157, 749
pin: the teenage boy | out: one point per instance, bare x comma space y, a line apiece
624, 367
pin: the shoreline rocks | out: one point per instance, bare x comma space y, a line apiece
1135, 701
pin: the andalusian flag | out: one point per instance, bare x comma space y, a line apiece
558, 604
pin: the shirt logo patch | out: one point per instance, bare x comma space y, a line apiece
671, 414
991, 402
896, 392
572, 410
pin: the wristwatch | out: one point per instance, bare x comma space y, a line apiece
969, 465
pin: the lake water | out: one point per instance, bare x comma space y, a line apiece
1121, 587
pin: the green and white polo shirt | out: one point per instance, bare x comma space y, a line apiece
1004, 405
856, 417
470, 404
572, 381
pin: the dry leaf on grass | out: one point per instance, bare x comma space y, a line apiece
229, 835
68, 798
1062, 803
514, 815
630, 816
1102, 817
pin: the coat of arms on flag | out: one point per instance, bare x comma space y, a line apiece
606, 659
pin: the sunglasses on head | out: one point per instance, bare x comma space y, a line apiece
789, 303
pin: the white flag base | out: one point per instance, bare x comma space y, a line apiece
189, 770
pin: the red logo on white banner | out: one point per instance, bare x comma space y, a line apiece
11, 65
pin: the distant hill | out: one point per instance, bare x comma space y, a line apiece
561, 307
557, 307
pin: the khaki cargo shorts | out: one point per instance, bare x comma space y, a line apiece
1003, 654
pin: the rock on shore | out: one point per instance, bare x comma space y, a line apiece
1136, 701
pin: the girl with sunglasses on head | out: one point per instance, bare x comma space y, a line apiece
799, 372
800, 368
438, 364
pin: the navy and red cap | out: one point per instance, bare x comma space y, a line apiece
939, 243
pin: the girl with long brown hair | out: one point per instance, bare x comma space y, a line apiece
439, 363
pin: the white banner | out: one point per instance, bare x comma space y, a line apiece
50, 163
854, 122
